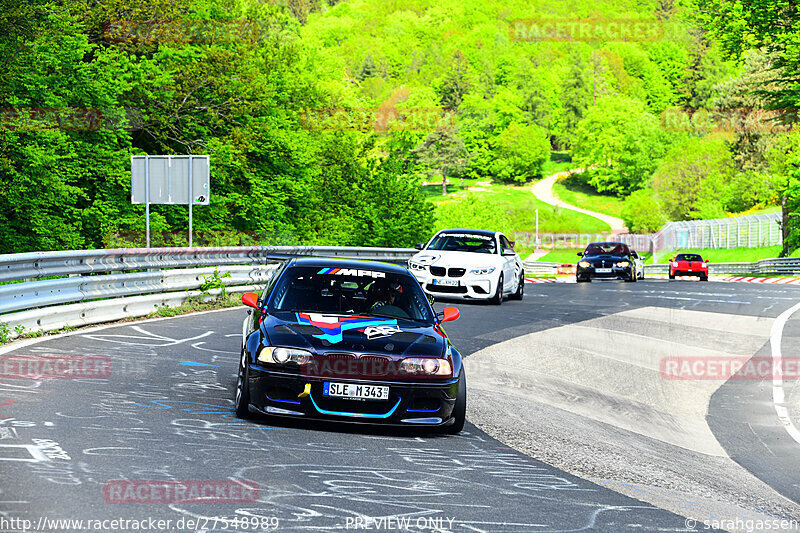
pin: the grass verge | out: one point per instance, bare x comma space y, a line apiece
727, 255
575, 192
507, 208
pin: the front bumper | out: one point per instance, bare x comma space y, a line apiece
694, 272
418, 403
470, 287
590, 272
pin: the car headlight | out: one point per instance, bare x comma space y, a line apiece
675, 264
415, 266
584, 264
426, 366
624, 264
282, 356
481, 271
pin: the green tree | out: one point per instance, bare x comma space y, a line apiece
642, 212
690, 182
619, 145
456, 82
773, 26
520, 153
442, 152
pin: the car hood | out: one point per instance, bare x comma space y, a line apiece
451, 258
332, 333
606, 257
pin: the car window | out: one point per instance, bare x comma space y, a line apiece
350, 291
597, 248
689, 257
464, 242
505, 244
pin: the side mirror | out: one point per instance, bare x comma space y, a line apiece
580, 254
250, 299
509, 252
450, 314
419, 246
672, 259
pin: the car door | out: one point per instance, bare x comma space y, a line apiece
509, 263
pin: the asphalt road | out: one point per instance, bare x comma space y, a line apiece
165, 414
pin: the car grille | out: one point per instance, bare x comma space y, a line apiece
343, 365
456, 272
438, 271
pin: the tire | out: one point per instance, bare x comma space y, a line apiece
241, 398
634, 277
672, 276
703, 278
497, 299
520, 292
641, 275
586, 280
460, 409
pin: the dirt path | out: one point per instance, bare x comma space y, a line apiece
543, 190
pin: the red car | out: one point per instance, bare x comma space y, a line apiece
688, 265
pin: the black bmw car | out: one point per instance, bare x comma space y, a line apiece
606, 260
350, 341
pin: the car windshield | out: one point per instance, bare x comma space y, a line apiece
614, 248
689, 257
464, 242
351, 291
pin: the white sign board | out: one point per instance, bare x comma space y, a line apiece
168, 176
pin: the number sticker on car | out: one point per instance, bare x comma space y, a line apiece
603, 270
352, 390
449, 282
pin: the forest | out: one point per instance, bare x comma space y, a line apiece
324, 118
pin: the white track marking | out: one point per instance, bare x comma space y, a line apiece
776, 336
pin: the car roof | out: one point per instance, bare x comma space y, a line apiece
606, 242
486, 232
335, 262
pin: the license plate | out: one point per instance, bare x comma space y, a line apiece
360, 392
448, 282
603, 270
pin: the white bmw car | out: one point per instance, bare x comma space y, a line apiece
469, 264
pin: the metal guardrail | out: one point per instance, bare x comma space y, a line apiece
540, 268
778, 266
104, 285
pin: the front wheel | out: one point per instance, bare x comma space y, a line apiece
520, 292
583, 280
672, 276
460, 409
497, 299
634, 277
703, 278
242, 399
